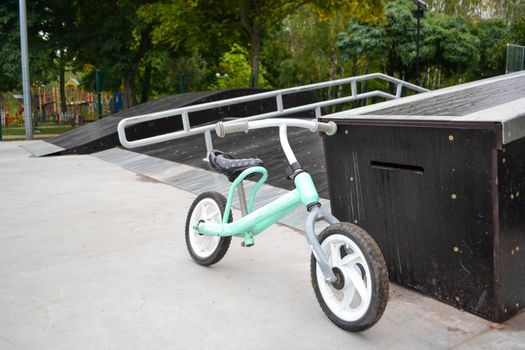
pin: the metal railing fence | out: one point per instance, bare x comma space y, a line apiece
188, 130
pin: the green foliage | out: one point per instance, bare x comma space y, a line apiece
447, 42
234, 71
455, 48
10, 67
302, 51
166, 71
142, 46
207, 27
518, 24
362, 39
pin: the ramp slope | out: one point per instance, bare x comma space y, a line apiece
102, 134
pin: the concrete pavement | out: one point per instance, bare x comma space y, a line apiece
92, 256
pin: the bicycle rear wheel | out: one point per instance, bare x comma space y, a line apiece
206, 250
357, 299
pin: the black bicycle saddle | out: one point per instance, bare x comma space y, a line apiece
231, 167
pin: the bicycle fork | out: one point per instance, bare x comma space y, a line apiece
317, 215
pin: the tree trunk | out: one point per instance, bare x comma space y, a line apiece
129, 97
355, 67
146, 83
367, 68
340, 88
434, 78
255, 58
62, 79
332, 72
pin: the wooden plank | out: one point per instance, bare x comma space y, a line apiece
262, 143
463, 102
431, 213
510, 251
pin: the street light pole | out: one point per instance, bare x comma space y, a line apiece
26, 87
417, 48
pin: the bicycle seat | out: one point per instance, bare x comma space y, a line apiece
229, 166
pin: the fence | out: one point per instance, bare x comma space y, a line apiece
515, 58
48, 118
13, 129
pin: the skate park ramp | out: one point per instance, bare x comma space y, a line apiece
261, 143
102, 134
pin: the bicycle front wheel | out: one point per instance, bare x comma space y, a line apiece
357, 299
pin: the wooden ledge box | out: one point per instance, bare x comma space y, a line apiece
438, 179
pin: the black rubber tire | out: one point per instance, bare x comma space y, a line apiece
378, 275
224, 242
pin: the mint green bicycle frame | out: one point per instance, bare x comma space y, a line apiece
257, 221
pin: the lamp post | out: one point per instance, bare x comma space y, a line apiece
26, 86
418, 14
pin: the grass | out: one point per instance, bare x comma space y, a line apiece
18, 132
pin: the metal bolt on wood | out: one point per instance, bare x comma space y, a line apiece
456, 249
351, 179
451, 137
453, 196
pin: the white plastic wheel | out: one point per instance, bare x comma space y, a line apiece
204, 249
357, 299
207, 210
352, 301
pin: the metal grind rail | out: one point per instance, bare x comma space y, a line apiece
281, 111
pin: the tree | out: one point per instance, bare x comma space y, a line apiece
111, 36
507, 10
401, 38
362, 39
234, 70
259, 17
10, 68
493, 36
455, 49
55, 28
302, 49
189, 37
518, 24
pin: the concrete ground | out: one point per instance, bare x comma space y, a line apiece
92, 256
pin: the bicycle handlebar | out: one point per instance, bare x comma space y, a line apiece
223, 128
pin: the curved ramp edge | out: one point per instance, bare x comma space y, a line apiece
42, 148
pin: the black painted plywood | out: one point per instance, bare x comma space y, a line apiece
510, 251
262, 143
102, 134
463, 102
108, 125
441, 202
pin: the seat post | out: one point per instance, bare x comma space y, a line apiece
242, 198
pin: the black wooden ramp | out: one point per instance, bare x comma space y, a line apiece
262, 143
102, 134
